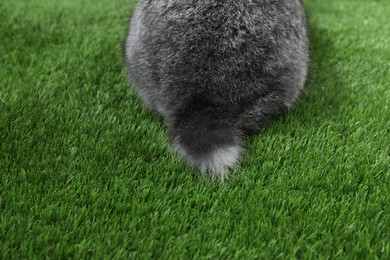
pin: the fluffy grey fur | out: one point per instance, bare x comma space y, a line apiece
216, 69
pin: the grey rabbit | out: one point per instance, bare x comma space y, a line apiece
216, 70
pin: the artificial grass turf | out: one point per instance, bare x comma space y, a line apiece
87, 171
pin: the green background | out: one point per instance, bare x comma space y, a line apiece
87, 171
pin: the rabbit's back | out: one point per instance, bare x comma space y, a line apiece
222, 51
240, 62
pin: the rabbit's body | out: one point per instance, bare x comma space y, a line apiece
215, 69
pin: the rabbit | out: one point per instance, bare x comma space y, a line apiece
216, 70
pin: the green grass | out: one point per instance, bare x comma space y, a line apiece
87, 171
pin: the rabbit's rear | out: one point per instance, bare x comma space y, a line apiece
216, 69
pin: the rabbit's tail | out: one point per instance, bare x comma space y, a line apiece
208, 141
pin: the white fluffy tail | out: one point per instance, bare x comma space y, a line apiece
207, 144
216, 162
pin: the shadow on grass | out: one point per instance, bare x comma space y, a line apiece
324, 85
